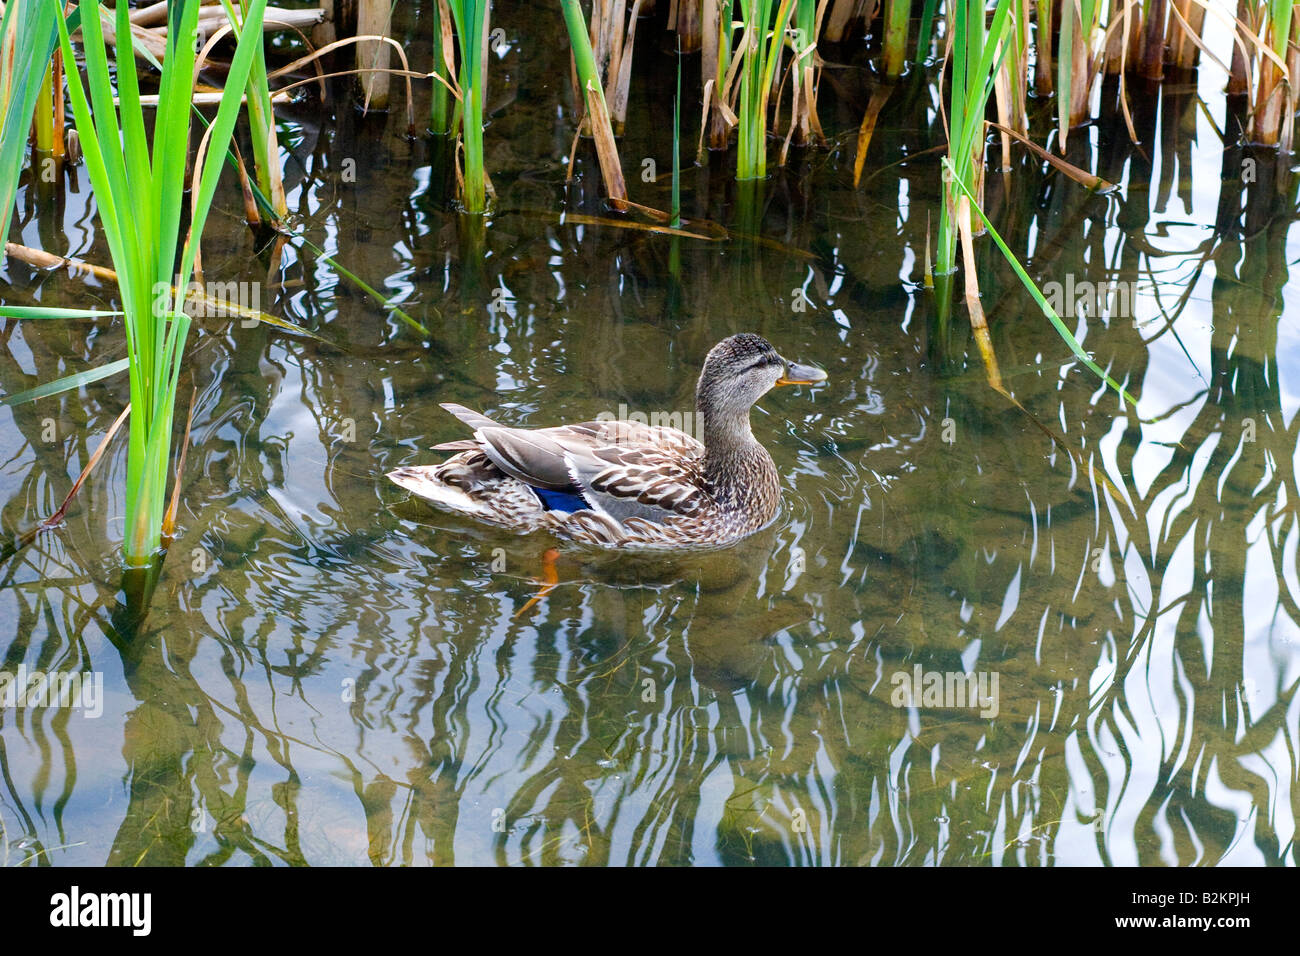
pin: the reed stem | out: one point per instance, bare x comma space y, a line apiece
440, 104
898, 15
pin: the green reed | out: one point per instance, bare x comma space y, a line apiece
440, 105
925, 34
140, 195
973, 65
261, 121
469, 19
764, 24
898, 16
27, 41
584, 60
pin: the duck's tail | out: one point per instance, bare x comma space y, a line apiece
475, 420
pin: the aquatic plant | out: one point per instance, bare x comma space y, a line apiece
968, 203
1074, 67
715, 64
898, 16
374, 20
440, 115
676, 221
48, 119
763, 24
1272, 120
805, 125
977, 61
597, 116
139, 190
973, 64
27, 43
468, 21
261, 122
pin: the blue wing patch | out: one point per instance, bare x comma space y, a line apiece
561, 500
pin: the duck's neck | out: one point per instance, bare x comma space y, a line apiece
735, 464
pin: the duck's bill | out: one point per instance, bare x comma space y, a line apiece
796, 374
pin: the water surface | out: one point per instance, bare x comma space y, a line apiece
331, 673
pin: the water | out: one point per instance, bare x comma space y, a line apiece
332, 674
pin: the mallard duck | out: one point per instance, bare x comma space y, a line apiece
623, 483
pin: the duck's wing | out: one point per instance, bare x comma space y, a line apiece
638, 481
534, 457
621, 469
625, 433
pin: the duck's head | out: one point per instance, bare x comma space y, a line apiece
739, 371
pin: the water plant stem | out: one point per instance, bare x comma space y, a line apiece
759, 51
898, 16
470, 19
440, 104
139, 194
597, 112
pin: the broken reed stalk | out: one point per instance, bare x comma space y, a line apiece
978, 323
1183, 51
1074, 73
613, 34
374, 17
716, 58
597, 111
805, 125
1043, 48
685, 18
1242, 54
1010, 86
844, 13
1272, 119
1153, 41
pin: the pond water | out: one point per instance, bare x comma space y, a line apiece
332, 673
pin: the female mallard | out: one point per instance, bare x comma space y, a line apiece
624, 484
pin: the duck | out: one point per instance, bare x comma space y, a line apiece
626, 484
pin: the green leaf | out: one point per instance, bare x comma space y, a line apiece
1043, 304
67, 383
236, 81
44, 312
925, 35
30, 27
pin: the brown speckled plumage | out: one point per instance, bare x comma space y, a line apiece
643, 485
